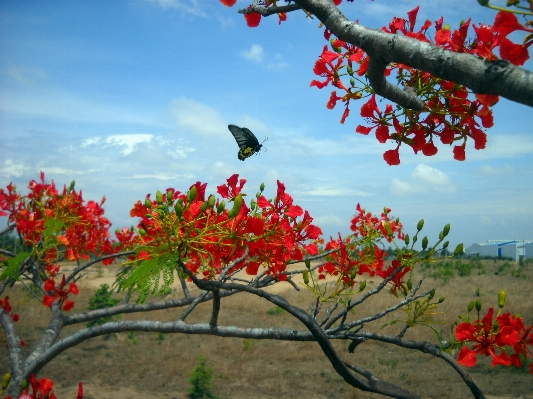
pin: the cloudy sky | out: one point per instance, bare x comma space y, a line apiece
131, 97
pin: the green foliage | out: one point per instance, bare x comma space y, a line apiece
160, 337
200, 380
132, 338
446, 270
101, 300
276, 310
145, 276
503, 269
248, 344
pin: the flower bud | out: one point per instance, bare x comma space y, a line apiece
72, 184
350, 71
471, 306
458, 250
220, 207
142, 232
441, 299
170, 194
445, 245
191, 195
148, 203
362, 285
252, 205
388, 229
352, 81
308, 264
204, 207
424, 242
5, 381
431, 294
410, 284
478, 305
406, 239
237, 205
159, 197
420, 225
211, 201
305, 275
262, 187
501, 299
24, 383
446, 230
179, 210
483, 2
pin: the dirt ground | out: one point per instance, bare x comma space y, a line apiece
138, 366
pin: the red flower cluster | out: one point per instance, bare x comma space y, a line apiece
451, 115
490, 337
208, 236
57, 225
43, 389
360, 254
59, 293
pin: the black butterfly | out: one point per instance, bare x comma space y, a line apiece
248, 143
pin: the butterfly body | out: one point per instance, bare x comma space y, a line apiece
246, 140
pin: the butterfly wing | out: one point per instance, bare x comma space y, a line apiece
246, 140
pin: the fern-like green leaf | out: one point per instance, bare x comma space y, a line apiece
13, 265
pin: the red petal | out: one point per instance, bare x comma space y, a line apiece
252, 19
467, 357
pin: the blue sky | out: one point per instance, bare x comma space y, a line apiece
131, 97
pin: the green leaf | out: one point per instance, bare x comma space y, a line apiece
13, 266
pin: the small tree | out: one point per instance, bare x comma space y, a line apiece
200, 380
101, 300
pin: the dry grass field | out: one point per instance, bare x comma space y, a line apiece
139, 365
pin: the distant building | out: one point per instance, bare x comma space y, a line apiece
511, 249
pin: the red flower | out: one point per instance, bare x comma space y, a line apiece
59, 293
487, 339
228, 3
392, 157
252, 19
231, 190
459, 152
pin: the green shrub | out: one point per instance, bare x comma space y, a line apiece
276, 310
101, 300
200, 380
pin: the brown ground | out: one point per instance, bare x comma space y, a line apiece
141, 366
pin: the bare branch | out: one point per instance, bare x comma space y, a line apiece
216, 309
265, 12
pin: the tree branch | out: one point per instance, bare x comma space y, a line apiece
497, 77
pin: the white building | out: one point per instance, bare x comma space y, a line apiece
511, 249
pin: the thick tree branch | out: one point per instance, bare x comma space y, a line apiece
497, 77
426, 347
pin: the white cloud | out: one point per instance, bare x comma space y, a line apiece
425, 179
488, 170
503, 146
162, 176
329, 220
198, 117
128, 141
431, 176
254, 54
12, 169
278, 63
188, 6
